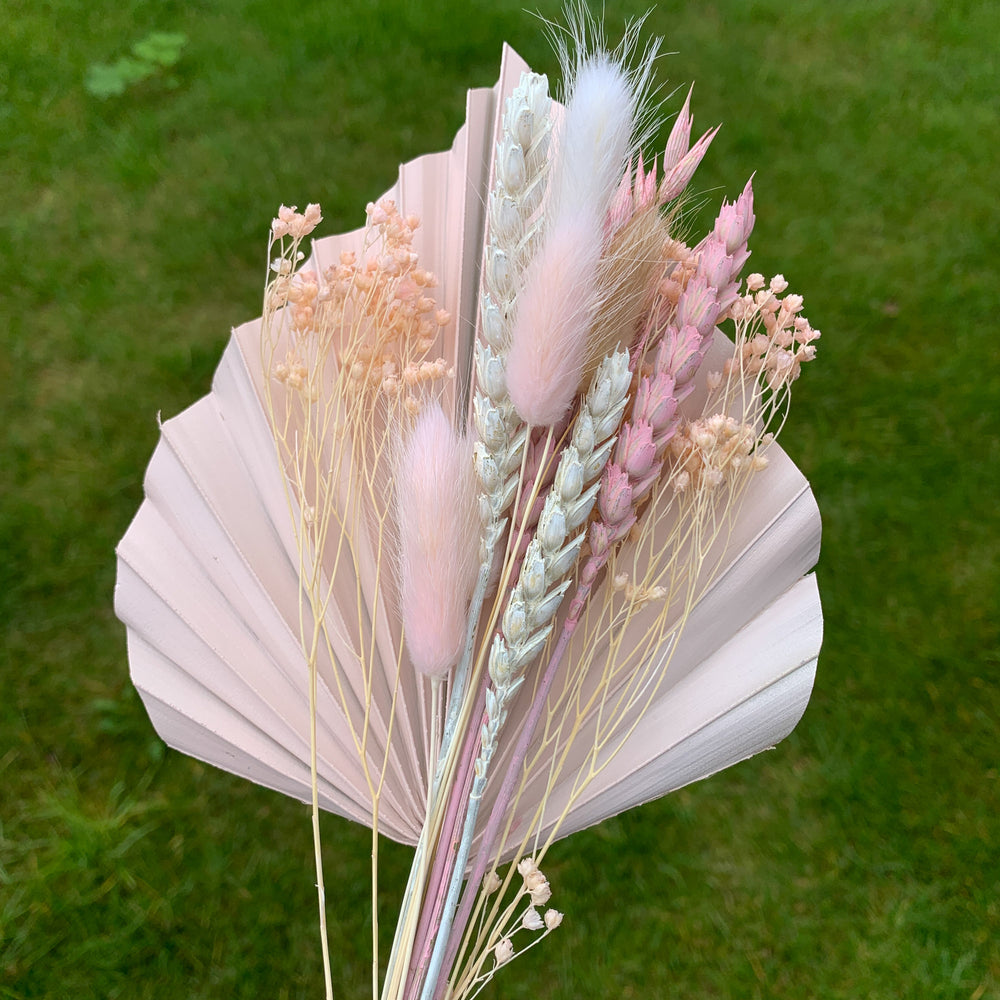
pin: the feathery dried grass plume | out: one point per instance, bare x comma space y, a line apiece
479, 592
562, 293
438, 543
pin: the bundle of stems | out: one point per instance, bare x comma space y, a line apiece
533, 558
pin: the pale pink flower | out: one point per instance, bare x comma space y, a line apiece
541, 894
698, 305
615, 497
735, 221
635, 450
680, 135
503, 952
526, 866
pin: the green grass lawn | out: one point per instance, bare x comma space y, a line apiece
861, 859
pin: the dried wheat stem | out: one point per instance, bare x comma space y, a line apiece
521, 171
534, 600
521, 168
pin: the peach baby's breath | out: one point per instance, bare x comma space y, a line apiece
290, 222
709, 449
774, 339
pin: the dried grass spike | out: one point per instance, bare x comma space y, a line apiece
438, 540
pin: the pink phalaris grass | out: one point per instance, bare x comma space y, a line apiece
438, 540
706, 296
683, 350
638, 459
634, 194
679, 161
724, 251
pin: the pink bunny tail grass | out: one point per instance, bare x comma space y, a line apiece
439, 540
548, 345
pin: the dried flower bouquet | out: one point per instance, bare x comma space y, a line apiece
483, 534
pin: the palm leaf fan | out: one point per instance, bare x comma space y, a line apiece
210, 577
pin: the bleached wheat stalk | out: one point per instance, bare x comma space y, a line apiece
521, 167
521, 170
535, 598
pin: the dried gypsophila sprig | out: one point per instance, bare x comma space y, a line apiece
356, 339
515, 920
748, 399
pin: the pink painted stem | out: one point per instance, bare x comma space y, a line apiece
540, 450
511, 778
430, 915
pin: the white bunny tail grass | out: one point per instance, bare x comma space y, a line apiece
603, 123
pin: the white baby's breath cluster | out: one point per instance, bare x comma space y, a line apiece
536, 887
